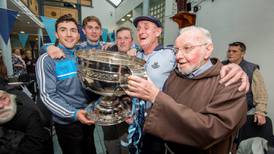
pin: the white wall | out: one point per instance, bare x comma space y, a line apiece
104, 11
171, 29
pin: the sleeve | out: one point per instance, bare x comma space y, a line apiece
180, 124
47, 85
260, 96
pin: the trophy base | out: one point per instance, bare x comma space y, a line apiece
109, 110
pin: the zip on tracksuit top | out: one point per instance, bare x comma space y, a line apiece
60, 88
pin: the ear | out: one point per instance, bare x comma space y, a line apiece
209, 50
158, 31
243, 54
56, 35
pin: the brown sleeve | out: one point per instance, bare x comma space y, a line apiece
180, 124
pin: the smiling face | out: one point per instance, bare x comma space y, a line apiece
67, 34
192, 51
92, 31
147, 35
124, 40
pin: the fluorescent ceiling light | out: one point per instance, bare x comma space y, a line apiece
115, 2
123, 19
129, 15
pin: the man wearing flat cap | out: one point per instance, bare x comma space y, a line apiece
160, 61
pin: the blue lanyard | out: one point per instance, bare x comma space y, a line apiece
135, 129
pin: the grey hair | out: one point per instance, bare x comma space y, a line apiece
203, 31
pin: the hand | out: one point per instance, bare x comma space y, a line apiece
129, 120
4, 99
142, 88
232, 73
106, 46
55, 52
259, 119
132, 52
19, 65
82, 117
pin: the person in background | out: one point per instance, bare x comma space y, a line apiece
257, 97
30, 62
115, 133
63, 94
124, 42
186, 115
19, 65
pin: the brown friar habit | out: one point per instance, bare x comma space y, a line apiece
198, 115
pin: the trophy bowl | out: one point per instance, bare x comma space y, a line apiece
105, 73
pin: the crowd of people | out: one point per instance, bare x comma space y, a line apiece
187, 90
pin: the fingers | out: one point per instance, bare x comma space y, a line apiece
132, 52
223, 72
245, 83
255, 118
232, 73
142, 88
129, 120
55, 52
82, 117
260, 119
60, 54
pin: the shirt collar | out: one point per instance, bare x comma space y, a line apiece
97, 45
200, 70
66, 50
197, 72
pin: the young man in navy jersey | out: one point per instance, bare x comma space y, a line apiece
63, 94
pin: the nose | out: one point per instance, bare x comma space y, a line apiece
180, 55
69, 33
140, 31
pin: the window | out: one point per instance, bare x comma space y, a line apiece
115, 3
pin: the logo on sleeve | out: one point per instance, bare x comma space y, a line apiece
155, 65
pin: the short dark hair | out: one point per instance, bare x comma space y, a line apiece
124, 28
240, 44
91, 18
65, 18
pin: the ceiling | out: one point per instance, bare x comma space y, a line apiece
23, 21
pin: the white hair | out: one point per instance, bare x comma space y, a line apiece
203, 31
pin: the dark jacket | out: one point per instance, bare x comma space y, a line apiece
248, 68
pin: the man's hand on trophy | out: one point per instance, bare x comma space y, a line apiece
132, 52
129, 120
141, 88
82, 117
55, 52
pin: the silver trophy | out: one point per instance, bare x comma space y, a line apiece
105, 73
